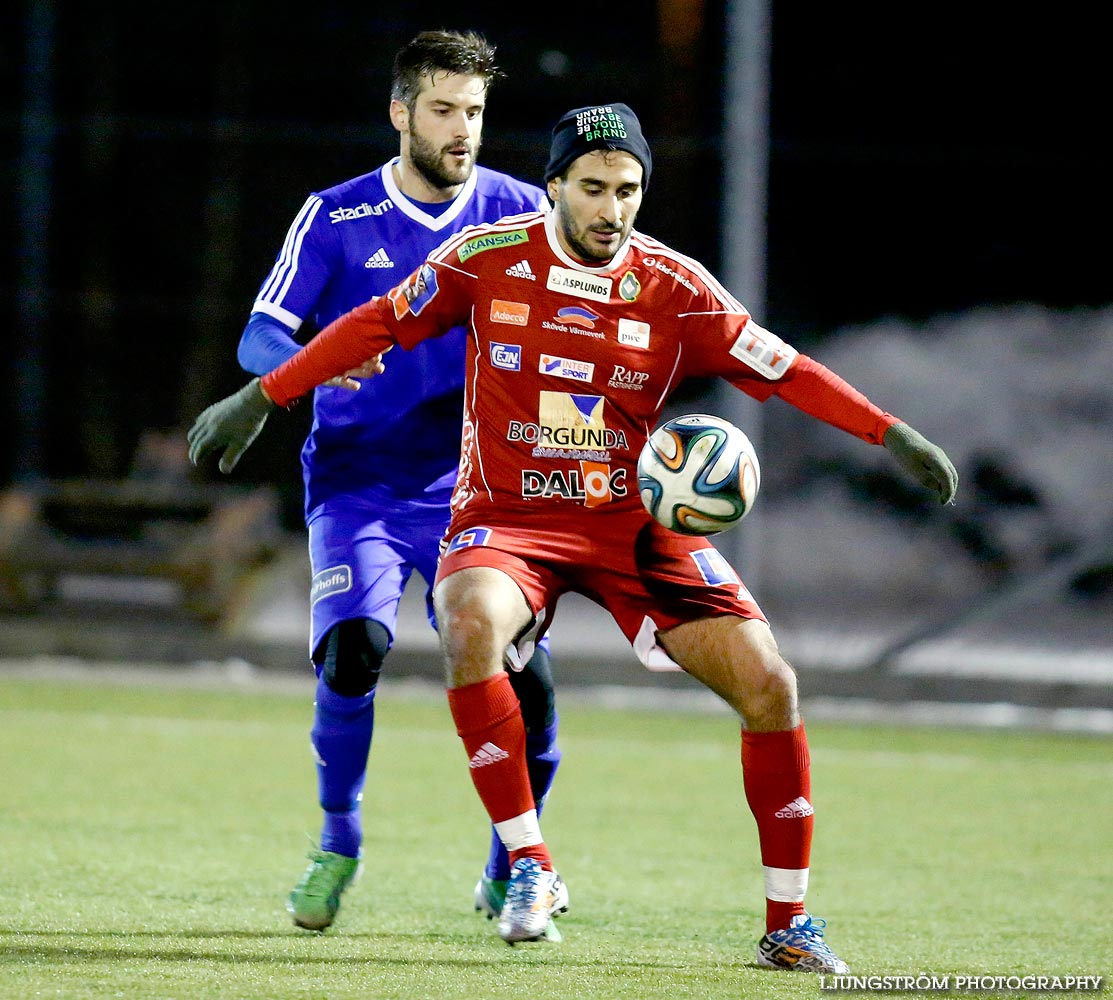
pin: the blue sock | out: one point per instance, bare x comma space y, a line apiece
341, 735
542, 760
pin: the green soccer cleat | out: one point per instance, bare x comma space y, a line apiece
316, 898
490, 894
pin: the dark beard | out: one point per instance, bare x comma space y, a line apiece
428, 162
579, 249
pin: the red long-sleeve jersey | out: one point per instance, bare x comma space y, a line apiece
569, 366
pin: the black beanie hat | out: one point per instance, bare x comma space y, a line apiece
604, 126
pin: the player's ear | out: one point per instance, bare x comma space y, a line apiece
399, 115
552, 189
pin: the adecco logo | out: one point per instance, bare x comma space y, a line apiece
511, 313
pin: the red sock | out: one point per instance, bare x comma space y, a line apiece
489, 721
776, 773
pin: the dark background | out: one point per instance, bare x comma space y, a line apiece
925, 159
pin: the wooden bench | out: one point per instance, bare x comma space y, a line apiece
176, 547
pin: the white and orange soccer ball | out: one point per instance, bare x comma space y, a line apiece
698, 474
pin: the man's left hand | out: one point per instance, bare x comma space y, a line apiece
231, 423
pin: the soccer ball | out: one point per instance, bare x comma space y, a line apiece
698, 474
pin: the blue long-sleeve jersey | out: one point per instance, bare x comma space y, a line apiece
398, 436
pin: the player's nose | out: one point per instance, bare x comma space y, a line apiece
611, 212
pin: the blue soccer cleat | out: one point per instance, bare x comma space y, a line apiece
800, 946
533, 897
490, 894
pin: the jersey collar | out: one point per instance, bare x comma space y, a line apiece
409, 209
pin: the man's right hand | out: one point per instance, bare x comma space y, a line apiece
230, 424
352, 379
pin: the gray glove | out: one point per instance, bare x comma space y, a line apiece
232, 423
925, 462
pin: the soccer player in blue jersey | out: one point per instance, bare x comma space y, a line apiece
380, 463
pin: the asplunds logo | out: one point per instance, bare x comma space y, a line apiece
584, 286
592, 484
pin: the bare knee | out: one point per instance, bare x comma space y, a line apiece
739, 660
478, 612
770, 703
463, 621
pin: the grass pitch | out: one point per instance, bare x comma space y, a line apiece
149, 835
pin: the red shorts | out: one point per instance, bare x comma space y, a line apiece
648, 578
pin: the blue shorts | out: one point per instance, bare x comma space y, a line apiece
362, 554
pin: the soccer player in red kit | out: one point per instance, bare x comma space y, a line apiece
579, 329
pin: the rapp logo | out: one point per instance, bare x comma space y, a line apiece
627, 378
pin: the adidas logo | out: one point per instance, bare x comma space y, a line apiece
798, 808
487, 754
379, 259
521, 270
